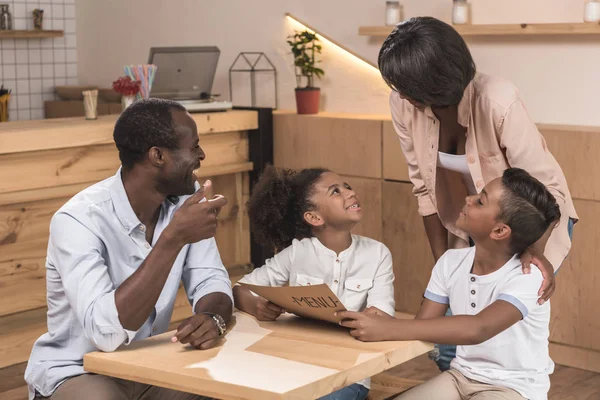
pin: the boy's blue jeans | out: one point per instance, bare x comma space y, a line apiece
444, 353
352, 392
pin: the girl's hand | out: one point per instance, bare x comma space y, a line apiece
375, 311
366, 326
267, 311
539, 260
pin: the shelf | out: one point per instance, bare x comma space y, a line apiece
31, 34
503, 29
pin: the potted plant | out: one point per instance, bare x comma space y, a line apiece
128, 89
305, 47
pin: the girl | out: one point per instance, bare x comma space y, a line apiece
307, 217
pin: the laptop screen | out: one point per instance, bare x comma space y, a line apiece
183, 72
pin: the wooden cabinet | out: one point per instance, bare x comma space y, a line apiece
369, 193
575, 318
404, 234
345, 145
394, 164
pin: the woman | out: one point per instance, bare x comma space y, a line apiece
459, 130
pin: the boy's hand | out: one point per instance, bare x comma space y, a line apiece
267, 311
540, 261
366, 326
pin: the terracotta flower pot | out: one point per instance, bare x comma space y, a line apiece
307, 100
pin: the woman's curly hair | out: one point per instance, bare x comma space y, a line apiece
277, 205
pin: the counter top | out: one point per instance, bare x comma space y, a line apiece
61, 133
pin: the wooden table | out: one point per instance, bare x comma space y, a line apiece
292, 358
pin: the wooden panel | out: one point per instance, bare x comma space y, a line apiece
394, 164
20, 223
404, 234
61, 133
575, 319
575, 357
22, 285
346, 146
24, 230
339, 115
229, 231
68, 191
225, 148
46, 169
369, 193
54, 192
576, 150
18, 333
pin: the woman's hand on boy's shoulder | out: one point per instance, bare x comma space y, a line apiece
267, 311
539, 260
371, 325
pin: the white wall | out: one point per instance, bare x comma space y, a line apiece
32, 68
558, 77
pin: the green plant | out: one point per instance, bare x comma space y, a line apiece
305, 47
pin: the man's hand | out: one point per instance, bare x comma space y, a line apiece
195, 220
200, 331
539, 260
267, 311
367, 326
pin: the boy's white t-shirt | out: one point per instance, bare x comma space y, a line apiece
361, 276
516, 358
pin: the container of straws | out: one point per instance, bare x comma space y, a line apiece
145, 73
4, 98
90, 104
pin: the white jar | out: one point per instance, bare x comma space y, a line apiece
592, 11
393, 12
461, 12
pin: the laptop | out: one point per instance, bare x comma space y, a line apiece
186, 75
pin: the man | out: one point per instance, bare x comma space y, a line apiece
117, 252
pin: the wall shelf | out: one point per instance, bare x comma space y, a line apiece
30, 34
503, 29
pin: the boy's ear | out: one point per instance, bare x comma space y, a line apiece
313, 218
501, 231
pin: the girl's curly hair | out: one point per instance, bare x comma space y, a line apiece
277, 205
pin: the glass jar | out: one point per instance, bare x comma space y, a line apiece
393, 13
592, 11
5, 18
461, 12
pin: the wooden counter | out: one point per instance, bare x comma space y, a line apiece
366, 151
44, 163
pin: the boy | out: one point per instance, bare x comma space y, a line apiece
501, 331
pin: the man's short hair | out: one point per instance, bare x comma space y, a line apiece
527, 207
143, 125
